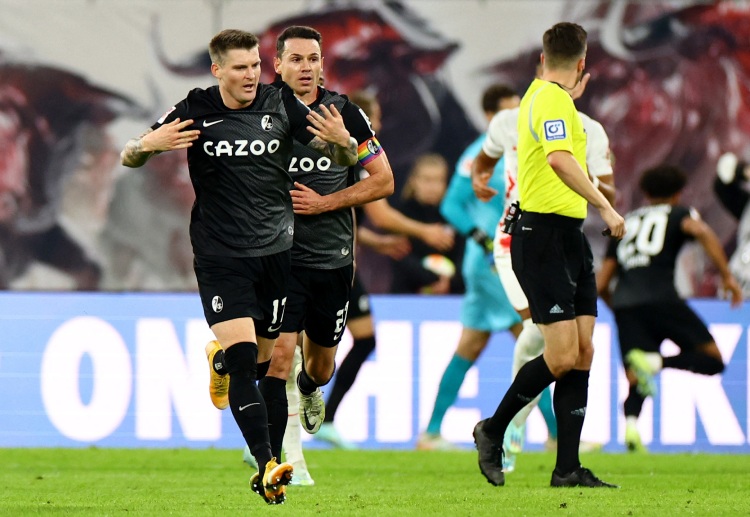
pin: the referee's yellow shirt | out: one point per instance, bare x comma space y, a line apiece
547, 122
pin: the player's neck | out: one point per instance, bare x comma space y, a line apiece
309, 97
566, 79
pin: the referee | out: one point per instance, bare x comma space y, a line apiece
552, 258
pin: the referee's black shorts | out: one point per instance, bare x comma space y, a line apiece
553, 262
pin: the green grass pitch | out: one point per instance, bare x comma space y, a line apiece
215, 482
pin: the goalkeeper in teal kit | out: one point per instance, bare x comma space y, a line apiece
485, 308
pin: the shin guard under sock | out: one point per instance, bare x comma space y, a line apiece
570, 399
274, 395
245, 400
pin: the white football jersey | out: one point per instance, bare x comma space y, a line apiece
502, 140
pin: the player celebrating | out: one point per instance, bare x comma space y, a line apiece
239, 136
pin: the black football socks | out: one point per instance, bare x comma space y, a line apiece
570, 400
274, 394
246, 401
530, 380
348, 370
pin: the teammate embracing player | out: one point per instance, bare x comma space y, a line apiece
322, 256
239, 137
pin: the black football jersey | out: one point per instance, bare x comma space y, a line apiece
325, 241
647, 255
238, 167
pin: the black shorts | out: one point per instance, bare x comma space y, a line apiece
241, 287
646, 326
553, 262
359, 300
318, 303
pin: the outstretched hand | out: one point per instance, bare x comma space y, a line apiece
169, 137
328, 125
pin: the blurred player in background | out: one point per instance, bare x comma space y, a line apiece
645, 303
485, 307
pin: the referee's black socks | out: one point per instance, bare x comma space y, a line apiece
570, 400
530, 381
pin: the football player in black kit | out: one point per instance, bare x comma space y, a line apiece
323, 250
645, 303
322, 255
239, 137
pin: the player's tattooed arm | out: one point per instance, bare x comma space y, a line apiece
133, 154
167, 137
343, 155
331, 136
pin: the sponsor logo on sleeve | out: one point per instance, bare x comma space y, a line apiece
554, 130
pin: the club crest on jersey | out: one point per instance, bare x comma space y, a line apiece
372, 146
345, 251
554, 130
290, 230
217, 304
267, 122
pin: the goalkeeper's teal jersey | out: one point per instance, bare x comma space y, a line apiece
464, 211
485, 306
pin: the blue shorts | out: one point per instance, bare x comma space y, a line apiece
486, 306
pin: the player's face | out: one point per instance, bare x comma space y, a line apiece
238, 77
301, 66
429, 184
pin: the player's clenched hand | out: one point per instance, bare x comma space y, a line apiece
329, 126
614, 222
480, 183
169, 137
306, 201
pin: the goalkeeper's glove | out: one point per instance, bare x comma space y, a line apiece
481, 238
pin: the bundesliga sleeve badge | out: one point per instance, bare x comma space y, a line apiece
554, 130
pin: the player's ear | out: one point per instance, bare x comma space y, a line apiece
215, 70
276, 65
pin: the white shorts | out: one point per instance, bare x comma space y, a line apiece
505, 270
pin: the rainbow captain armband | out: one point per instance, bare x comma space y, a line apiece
368, 151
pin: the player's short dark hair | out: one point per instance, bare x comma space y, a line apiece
297, 31
230, 39
563, 44
662, 181
494, 94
